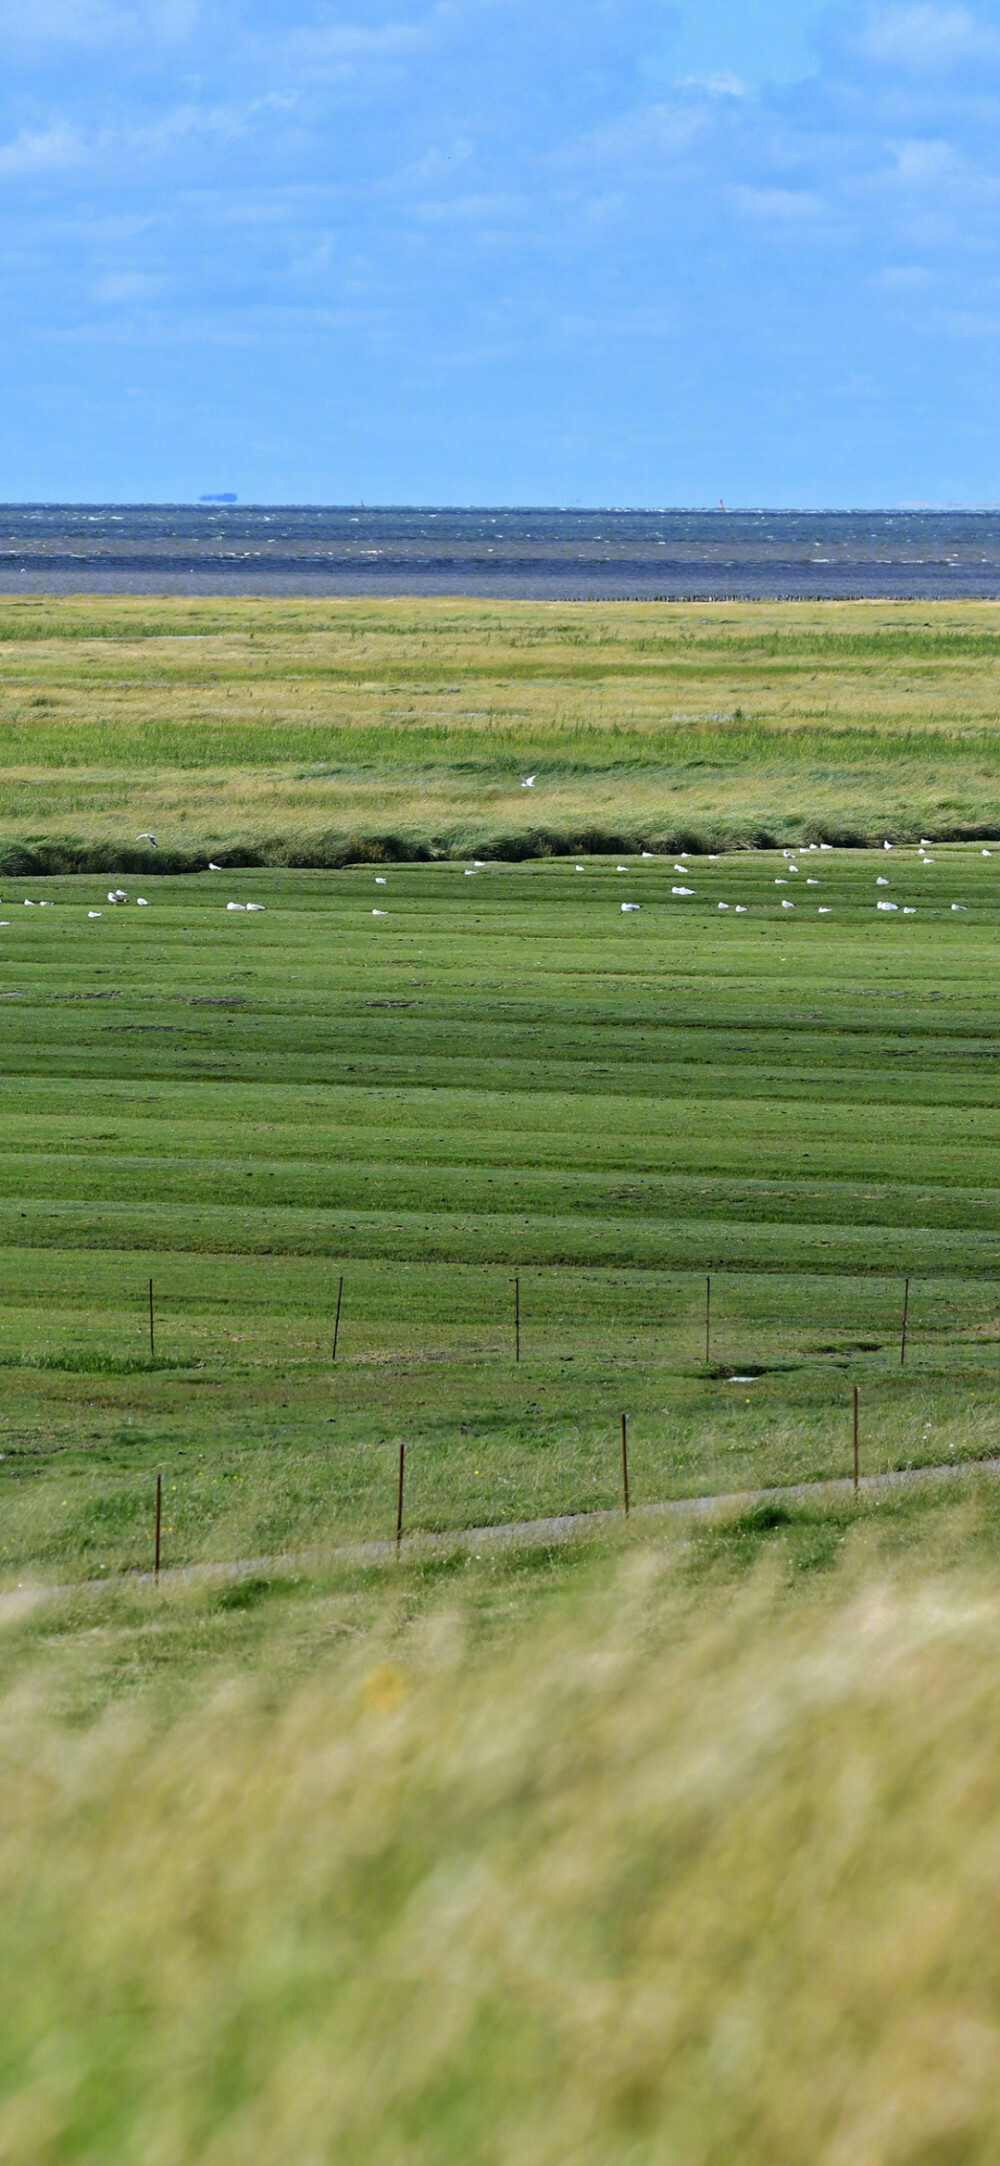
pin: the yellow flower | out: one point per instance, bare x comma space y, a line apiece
383, 1689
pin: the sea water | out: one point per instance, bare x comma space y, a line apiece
550, 554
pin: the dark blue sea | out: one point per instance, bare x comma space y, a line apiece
546, 554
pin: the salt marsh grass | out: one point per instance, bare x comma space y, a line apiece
321, 733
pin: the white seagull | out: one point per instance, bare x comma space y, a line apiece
236, 906
631, 906
682, 891
380, 913
785, 904
141, 903
528, 782
147, 838
214, 868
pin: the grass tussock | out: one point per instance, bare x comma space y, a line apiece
693, 1856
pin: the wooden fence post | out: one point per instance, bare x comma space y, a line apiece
336, 1320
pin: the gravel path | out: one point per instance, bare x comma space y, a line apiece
519, 1533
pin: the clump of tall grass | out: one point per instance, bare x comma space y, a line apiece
687, 1866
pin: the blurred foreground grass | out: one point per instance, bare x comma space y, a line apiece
680, 1850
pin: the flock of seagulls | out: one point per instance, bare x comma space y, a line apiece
792, 869
118, 896
682, 890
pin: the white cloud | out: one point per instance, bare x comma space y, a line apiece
76, 24
785, 206
924, 164
124, 286
919, 38
904, 278
40, 151
716, 86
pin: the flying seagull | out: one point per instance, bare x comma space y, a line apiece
528, 782
147, 838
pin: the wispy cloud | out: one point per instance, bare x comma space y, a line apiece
40, 151
916, 37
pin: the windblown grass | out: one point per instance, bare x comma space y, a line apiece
681, 1850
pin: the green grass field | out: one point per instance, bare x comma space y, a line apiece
670, 1846
501, 1076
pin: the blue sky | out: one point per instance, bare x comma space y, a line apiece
500, 251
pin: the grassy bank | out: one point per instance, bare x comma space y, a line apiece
321, 733
676, 1849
